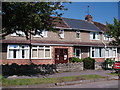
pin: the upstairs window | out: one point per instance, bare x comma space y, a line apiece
94, 36
39, 33
18, 33
61, 33
77, 34
107, 37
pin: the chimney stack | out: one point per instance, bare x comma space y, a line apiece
89, 18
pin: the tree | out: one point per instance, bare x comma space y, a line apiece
114, 31
29, 16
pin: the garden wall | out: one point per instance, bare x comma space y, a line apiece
15, 69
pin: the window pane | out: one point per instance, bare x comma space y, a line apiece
77, 35
47, 52
107, 53
34, 52
41, 53
10, 53
13, 46
26, 53
102, 52
14, 53
114, 53
93, 35
110, 52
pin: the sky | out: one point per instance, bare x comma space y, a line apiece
100, 11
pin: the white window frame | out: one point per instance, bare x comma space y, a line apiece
44, 47
94, 51
80, 53
61, 33
44, 33
97, 36
108, 49
19, 32
106, 37
18, 52
76, 34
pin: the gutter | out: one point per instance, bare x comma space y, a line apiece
78, 29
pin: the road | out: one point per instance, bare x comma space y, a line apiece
100, 84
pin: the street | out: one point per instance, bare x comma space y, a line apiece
101, 84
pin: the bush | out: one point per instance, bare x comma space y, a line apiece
89, 63
74, 59
108, 62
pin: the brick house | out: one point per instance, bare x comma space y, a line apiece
73, 38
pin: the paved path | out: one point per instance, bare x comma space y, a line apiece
64, 74
99, 84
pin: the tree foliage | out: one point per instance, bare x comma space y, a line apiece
114, 31
29, 16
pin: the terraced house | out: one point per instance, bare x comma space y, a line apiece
73, 38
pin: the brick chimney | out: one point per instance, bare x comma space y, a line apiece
89, 18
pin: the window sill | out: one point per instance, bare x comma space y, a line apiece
77, 38
17, 58
41, 58
94, 39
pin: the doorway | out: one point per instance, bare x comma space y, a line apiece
78, 53
61, 55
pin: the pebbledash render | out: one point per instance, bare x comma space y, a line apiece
73, 38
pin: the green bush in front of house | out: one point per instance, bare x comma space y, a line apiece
74, 59
89, 63
108, 64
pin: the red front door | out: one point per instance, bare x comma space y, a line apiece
61, 55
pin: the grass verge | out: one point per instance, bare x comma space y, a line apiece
114, 74
33, 81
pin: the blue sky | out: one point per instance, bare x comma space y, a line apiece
101, 11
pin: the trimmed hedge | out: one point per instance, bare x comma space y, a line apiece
74, 59
89, 63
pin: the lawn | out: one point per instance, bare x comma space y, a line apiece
114, 74
33, 81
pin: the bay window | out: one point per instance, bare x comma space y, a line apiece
97, 52
111, 52
18, 52
41, 52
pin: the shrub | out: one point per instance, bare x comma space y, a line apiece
74, 59
89, 63
108, 62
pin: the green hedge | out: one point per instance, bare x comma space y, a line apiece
89, 63
74, 59
109, 62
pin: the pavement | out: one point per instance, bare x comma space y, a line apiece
64, 74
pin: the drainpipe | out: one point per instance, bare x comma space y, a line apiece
30, 61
